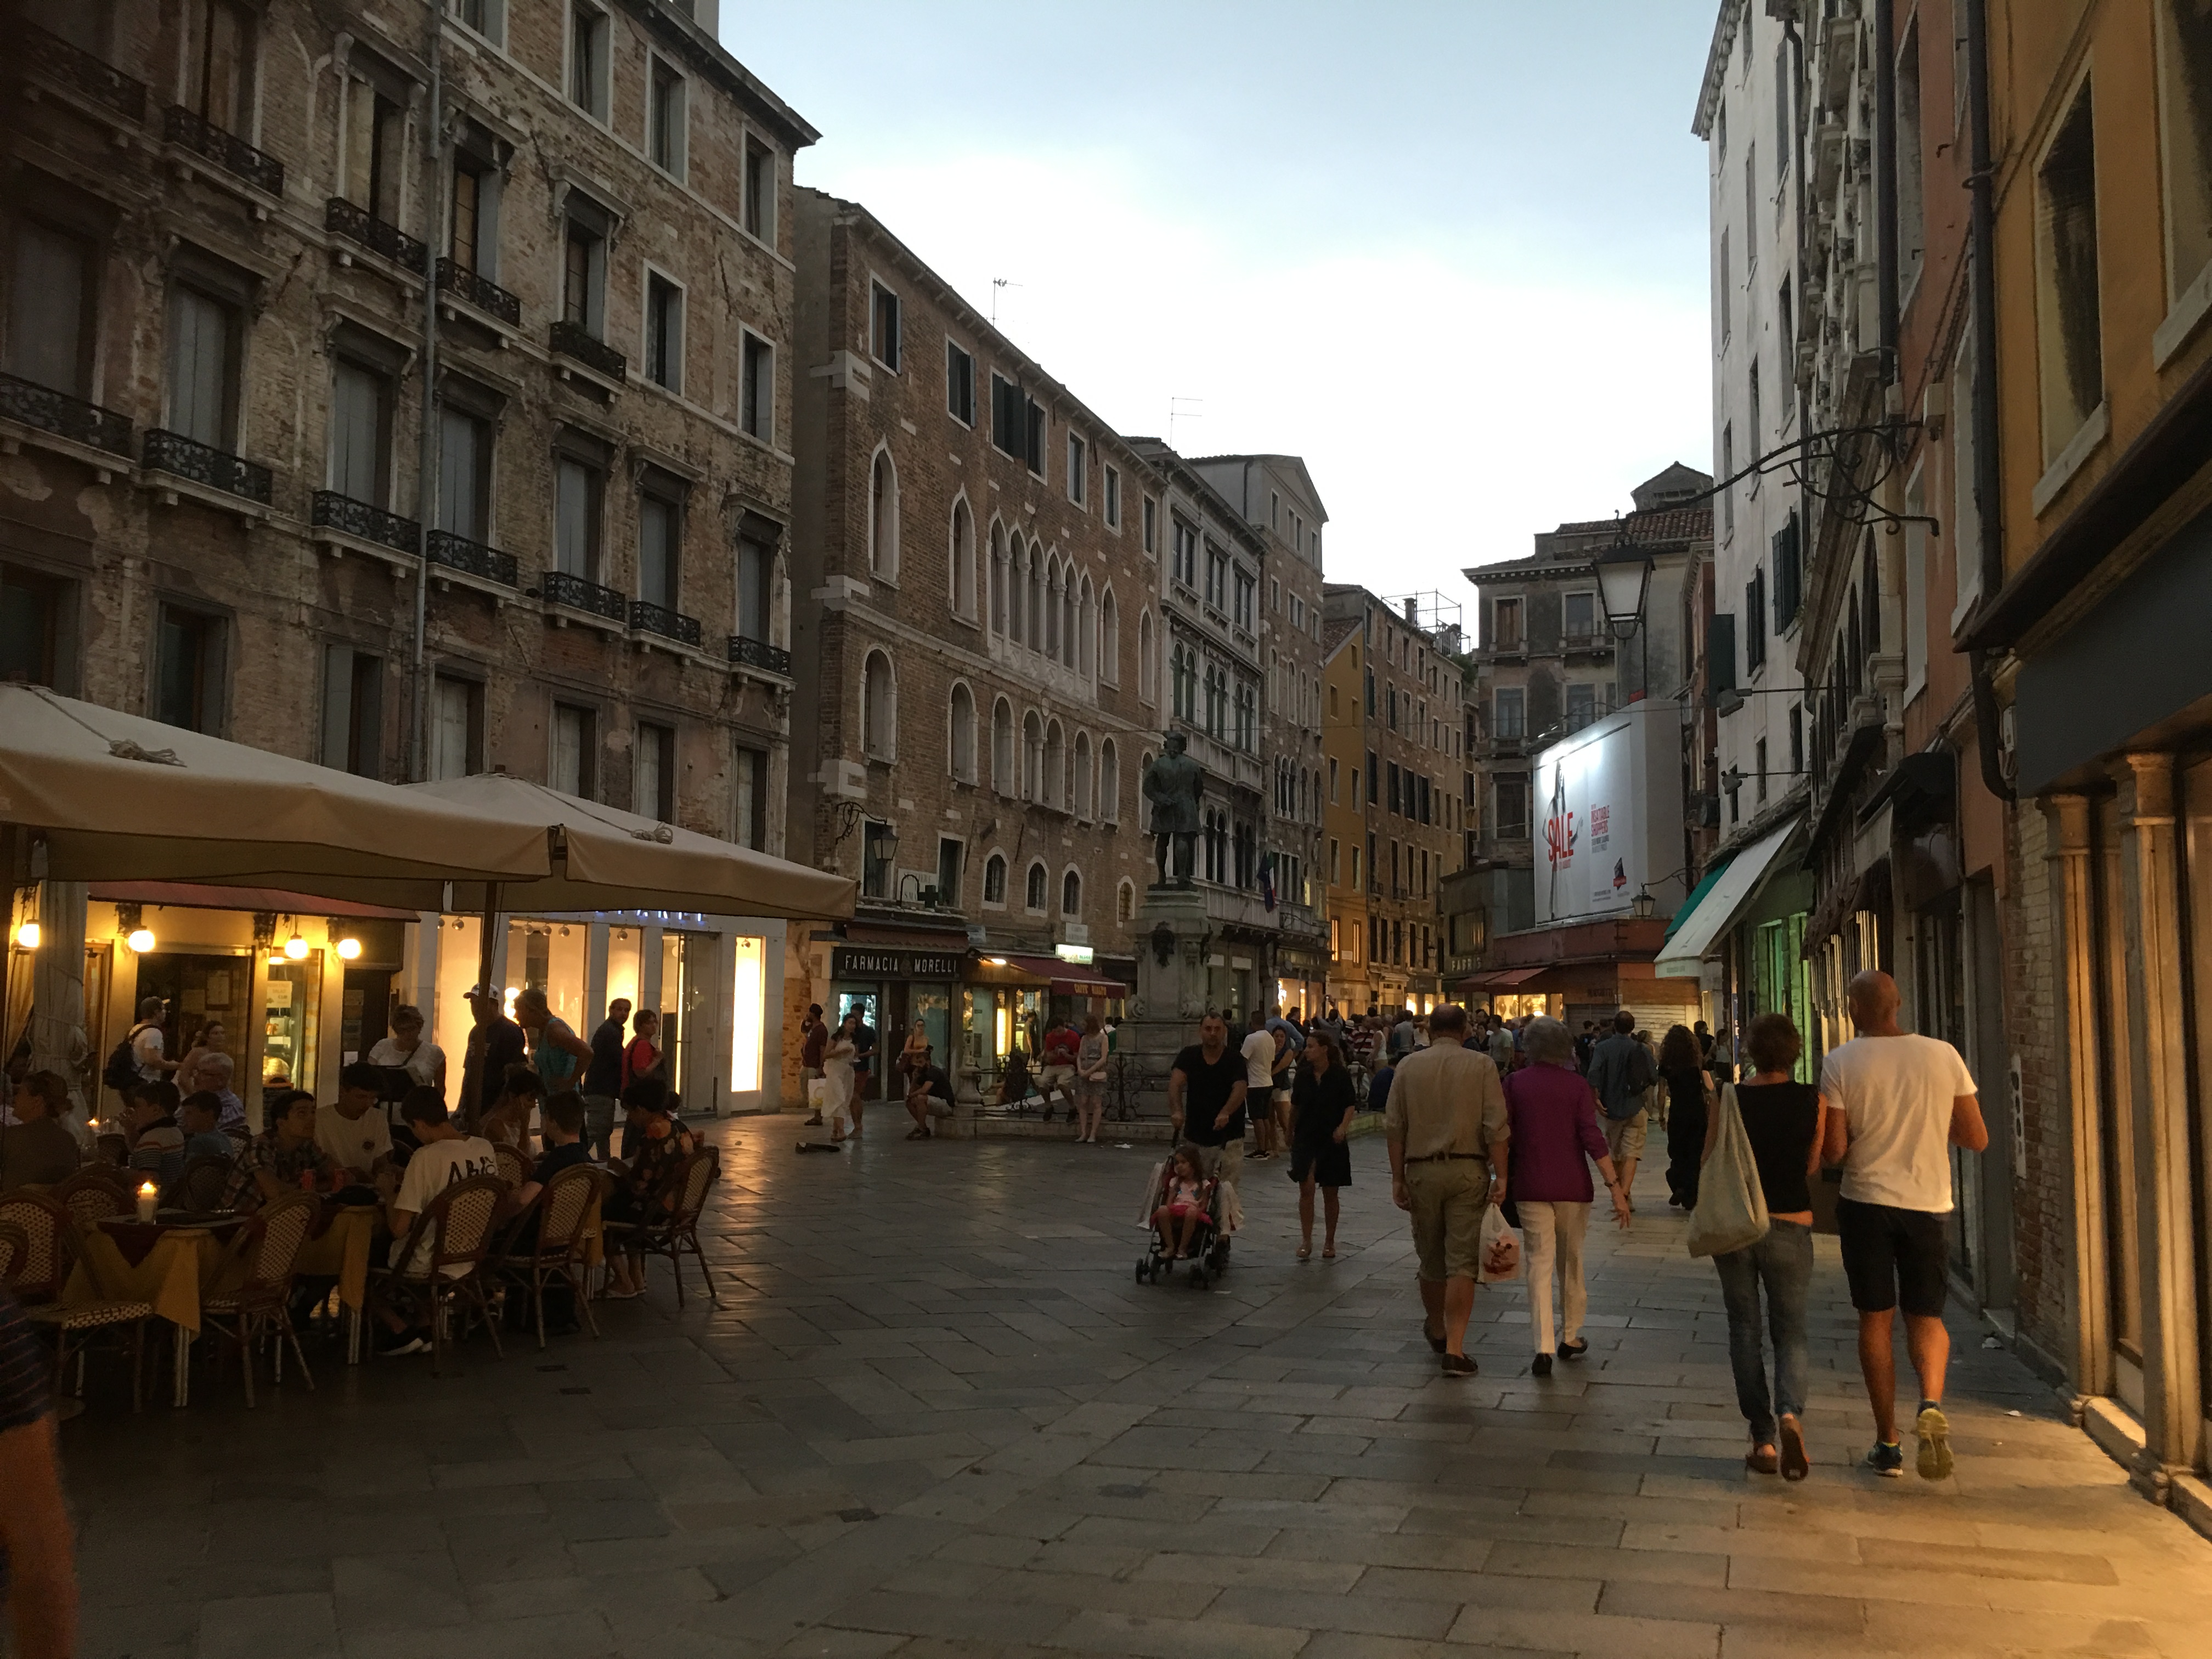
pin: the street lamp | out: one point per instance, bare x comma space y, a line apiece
1624, 573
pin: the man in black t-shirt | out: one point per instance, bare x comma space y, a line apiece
1206, 1099
603, 1080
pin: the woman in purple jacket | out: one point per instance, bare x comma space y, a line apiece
1554, 1136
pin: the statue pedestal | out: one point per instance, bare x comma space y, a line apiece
1173, 935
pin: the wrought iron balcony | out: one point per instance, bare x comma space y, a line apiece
202, 138
82, 72
572, 340
460, 553
488, 297
172, 452
331, 511
342, 218
759, 654
559, 587
65, 417
649, 618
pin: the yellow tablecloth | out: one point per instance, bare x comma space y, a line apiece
343, 1250
169, 1277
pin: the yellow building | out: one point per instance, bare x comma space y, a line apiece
1344, 816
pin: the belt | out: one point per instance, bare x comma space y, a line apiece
1441, 1157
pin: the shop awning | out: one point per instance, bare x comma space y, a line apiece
185, 894
1735, 888
1688, 907
1007, 972
1498, 979
116, 797
1068, 980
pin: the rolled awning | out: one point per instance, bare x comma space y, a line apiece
1500, 979
1738, 885
1066, 980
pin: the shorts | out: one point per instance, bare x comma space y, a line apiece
1449, 1196
1222, 1163
1282, 1095
1623, 1136
1050, 1078
1893, 1258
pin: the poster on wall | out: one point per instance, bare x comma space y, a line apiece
1609, 811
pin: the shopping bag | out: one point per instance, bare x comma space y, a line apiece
815, 1088
1731, 1213
1497, 1248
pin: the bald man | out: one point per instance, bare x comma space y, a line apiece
1896, 1104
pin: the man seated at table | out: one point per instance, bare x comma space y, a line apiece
444, 1157
216, 1071
38, 1150
563, 1119
152, 1132
928, 1095
507, 1123
643, 1185
200, 1117
285, 1160
354, 1131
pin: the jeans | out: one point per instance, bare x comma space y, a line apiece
1554, 1234
1783, 1261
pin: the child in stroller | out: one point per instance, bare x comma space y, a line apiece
1184, 1207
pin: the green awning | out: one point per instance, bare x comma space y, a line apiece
1682, 911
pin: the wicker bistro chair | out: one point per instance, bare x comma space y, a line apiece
113, 1150
15, 1250
50, 1249
556, 1251
94, 1193
513, 1168
457, 1228
200, 1188
257, 1272
674, 1232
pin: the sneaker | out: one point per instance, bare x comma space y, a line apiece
405, 1343
1458, 1364
1886, 1457
1934, 1431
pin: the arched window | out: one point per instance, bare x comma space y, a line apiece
1038, 596
1018, 596
1086, 632
998, 579
882, 517
1067, 624
1032, 756
1148, 676
1125, 901
1070, 894
1109, 783
1006, 776
1083, 774
879, 709
1033, 895
1052, 590
1110, 640
994, 879
1055, 767
963, 559
963, 745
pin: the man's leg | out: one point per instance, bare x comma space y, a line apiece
1459, 1308
1432, 1306
1878, 1364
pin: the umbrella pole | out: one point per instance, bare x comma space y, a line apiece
485, 945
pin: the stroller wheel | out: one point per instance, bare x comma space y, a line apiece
1140, 1271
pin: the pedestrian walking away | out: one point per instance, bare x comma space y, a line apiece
1782, 1119
1896, 1104
1554, 1136
1207, 1093
1446, 1125
813, 1038
1322, 1107
1620, 1071
1690, 1096
1258, 1052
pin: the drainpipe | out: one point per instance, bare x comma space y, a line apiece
426, 456
1982, 241
1799, 120
1885, 179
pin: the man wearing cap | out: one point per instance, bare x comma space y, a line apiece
496, 1043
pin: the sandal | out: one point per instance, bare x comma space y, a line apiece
1328, 1252
1305, 1251
1762, 1459
1795, 1466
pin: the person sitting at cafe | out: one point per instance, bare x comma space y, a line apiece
562, 1118
150, 1130
285, 1160
507, 1123
444, 1156
644, 1186
928, 1095
215, 1077
353, 1131
199, 1117
38, 1150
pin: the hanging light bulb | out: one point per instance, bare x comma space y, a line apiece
349, 948
141, 939
28, 936
296, 947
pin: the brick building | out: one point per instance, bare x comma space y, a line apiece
214, 508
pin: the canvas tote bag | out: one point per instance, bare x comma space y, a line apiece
1731, 1213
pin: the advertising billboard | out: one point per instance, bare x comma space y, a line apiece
1608, 803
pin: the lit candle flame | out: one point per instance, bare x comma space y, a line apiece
147, 1189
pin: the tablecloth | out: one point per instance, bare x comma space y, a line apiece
169, 1277
340, 1249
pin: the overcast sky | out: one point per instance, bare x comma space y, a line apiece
1453, 254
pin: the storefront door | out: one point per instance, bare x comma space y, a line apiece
365, 1009
199, 989
2196, 808
291, 1021
867, 1000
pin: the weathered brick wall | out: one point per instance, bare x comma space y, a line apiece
2035, 1021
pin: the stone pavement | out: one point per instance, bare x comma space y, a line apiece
937, 1416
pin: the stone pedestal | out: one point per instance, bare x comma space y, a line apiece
1173, 936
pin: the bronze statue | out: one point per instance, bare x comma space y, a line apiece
1174, 784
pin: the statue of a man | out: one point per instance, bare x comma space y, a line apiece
1175, 783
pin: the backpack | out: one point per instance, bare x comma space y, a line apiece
1640, 1075
121, 1073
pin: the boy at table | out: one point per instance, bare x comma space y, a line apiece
285, 1160
157, 1144
353, 1133
444, 1157
201, 1119
562, 1119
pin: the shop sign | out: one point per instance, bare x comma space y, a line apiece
847, 962
1082, 953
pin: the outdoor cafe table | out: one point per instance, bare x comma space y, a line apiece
165, 1263
339, 1249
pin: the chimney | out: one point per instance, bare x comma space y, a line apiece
1413, 613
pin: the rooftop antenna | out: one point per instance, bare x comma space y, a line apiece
998, 282
1175, 408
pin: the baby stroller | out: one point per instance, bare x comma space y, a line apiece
1209, 1239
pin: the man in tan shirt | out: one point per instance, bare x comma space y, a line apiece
1446, 1117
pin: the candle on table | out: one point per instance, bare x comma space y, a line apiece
149, 1197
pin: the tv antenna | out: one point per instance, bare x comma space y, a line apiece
1175, 409
998, 282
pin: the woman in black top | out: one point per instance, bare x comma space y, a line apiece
1689, 1093
1782, 1120
1322, 1108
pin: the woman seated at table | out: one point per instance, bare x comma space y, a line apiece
644, 1186
38, 1150
507, 1123
285, 1160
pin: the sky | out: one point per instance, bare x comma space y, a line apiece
1453, 254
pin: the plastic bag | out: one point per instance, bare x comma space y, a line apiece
815, 1088
1498, 1249
1731, 1213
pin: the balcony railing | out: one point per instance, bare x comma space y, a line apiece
65, 417
172, 452
342, 218
573, 340
759, 654
202, 138
559, 587
649, 618
331, 511
460, 553
488, 297
82, 72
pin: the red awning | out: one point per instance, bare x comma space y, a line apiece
189, 895
1067, 980
1500, 979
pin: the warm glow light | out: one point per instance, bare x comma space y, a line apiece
512, 992
349, 948
147, 1189
748, 1015
141, 939
28, 936
996, 962
296, 947
275, 958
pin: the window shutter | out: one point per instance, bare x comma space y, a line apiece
1720, 654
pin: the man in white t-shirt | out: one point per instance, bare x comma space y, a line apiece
1259, 1052
354, 1131
444, 1157
1896, 1104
